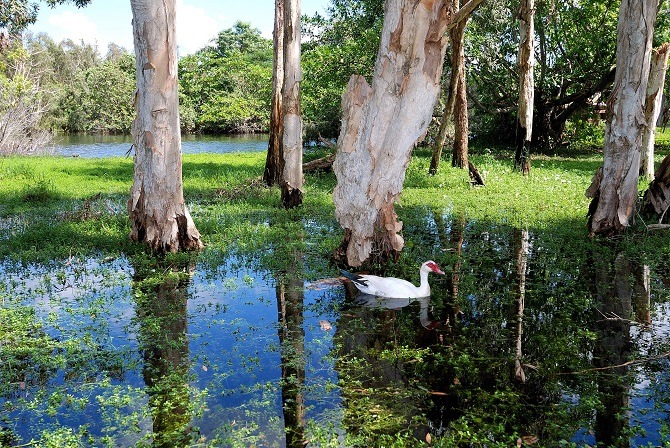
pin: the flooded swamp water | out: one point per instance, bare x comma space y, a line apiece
530, 339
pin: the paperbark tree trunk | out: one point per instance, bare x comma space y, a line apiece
158, 215
292, 179
614, 200
653, 102
272, 172
459, 154
526, 61
382, 123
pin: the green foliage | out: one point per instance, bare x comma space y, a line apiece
100, 98
22, 104
575, 53
227, 87
243, 39
339, 46
15, 15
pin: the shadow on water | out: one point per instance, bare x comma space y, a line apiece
534, 337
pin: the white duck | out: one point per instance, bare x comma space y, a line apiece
394, 287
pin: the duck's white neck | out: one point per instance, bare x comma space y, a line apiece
424, 287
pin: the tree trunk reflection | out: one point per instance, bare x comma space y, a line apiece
522, 244
290, 297
160, 297
613, 347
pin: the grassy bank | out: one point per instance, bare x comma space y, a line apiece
62, 206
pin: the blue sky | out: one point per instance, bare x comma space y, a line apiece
198, 21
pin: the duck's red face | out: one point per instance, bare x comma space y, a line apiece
434, 267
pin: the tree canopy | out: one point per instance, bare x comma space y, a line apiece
226, 86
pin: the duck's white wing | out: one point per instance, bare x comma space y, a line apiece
386, 286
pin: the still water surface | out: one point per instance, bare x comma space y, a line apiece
120, 145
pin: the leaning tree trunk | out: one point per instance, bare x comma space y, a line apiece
447, 116
382, 123
459, 155
526, 60
292, 180
654, 100
272, 172
158, 214
614, 198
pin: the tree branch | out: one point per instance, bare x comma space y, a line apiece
463, 13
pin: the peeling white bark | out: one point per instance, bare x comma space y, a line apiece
617, 194
382, 123
158, 214
292, 178
526, 62
654, 99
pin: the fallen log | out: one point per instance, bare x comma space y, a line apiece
324, 164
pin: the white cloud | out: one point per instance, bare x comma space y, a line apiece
195, 28
75, 26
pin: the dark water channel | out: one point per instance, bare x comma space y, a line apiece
528, 338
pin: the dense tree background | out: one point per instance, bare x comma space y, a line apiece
226, 86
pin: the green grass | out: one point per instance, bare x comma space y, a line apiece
54, 206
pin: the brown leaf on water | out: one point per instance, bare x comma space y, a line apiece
325, 325
204, 368
530, 440
22, 385
429, 439
435, 392
527, 440
457, 381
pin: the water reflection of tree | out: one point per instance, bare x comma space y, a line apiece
377, 383
160, 292
521, 241
290, 297
527, 299
618, 302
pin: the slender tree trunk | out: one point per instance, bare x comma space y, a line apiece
526, 60
459, 155
654, 99
159, 217
447, 118
457, 102
292, 178
382, 123
614, 198
521, 240
272, 172
642, 293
